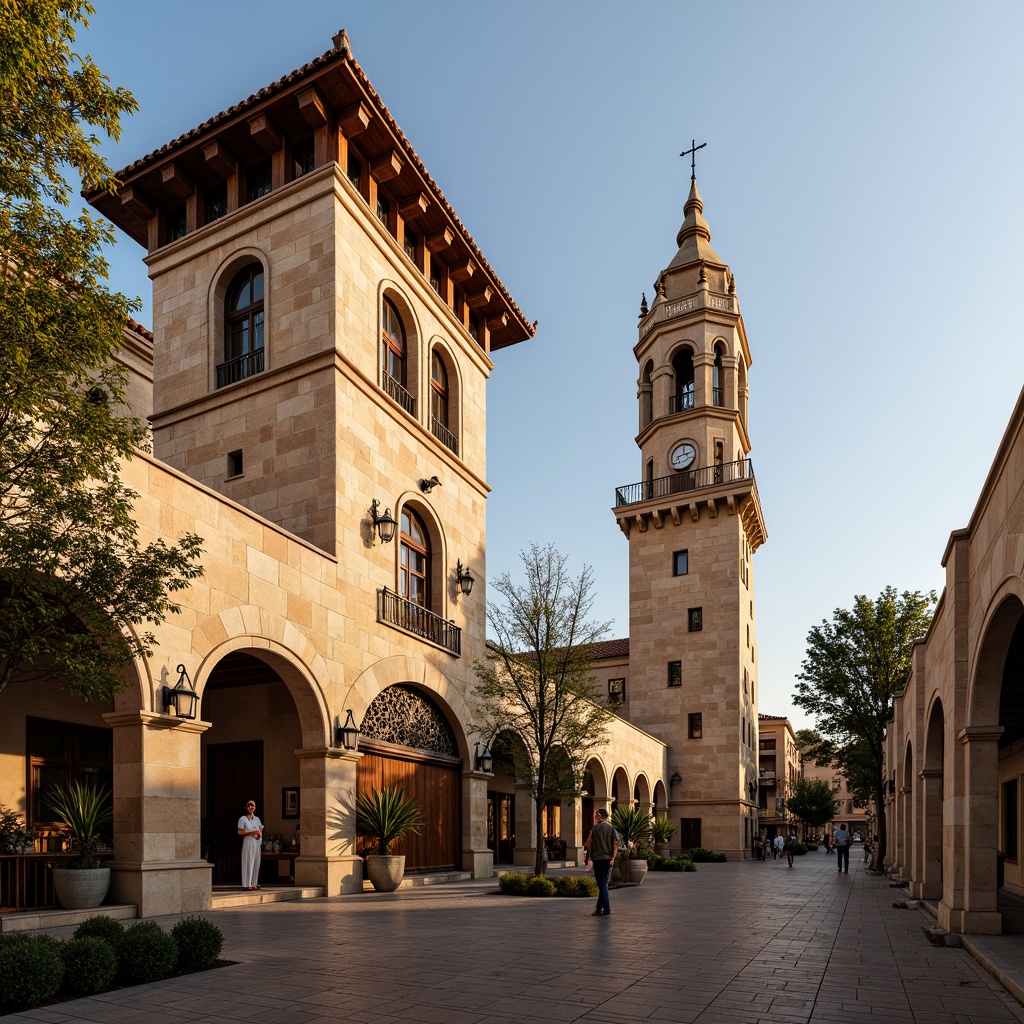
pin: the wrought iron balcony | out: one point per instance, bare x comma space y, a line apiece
444, 435
679, 483
680, 402
395, 610
238, 369
399, 394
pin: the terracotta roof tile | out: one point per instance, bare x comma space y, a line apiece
611, 649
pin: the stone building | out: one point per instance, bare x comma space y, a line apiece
955, 747
688, 672
324, 329
857, 816
778, 769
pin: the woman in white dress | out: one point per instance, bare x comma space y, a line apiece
251, 829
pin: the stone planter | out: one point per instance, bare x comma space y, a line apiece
663, 849
385, 873
637, 871
81, 888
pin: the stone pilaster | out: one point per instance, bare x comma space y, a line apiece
476, 856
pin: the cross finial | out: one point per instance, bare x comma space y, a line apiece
692, 154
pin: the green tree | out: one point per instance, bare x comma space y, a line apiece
811, 800
810, 744
75, 582
855, 665
536, 681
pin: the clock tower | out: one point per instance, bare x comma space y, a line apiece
693, 523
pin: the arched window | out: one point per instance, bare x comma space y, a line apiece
395, 355
682, 367
440, 403
243, 326
414, 582
718, 396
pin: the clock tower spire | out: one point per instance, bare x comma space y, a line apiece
693, 522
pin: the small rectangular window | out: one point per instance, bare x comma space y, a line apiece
695, 619
616, 690
680, 563
383, 210
258, 180
409, 243
216, 202
176, 223
235, 463
695, 725
435, 276
675, 673
355, 171
303, 158
474, 329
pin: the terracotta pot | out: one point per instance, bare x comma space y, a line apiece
81, 888
662, 849
637, 871
385, 873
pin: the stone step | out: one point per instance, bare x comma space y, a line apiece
438, 878
28, 920
221, 900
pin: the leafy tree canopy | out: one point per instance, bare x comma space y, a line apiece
855, 665
536, 681
811, 800
75, 582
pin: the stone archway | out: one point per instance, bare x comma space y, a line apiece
621, 792
905, 813
930, 804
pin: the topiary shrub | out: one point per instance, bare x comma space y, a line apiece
800, 850
574, 886
688, 864
513, 884
31, 971
703, 856
538, 885
90, 966
145, 953
100, 927
199, 943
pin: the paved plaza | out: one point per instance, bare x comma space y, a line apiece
730, 943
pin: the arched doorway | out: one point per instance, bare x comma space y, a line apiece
249, 753
407, 742
621, 791
931, 805
905, 813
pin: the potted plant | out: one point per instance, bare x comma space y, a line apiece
15, 835
662, 830
386, 816
83, 811
634, 828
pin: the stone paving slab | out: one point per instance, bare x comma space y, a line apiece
743, 943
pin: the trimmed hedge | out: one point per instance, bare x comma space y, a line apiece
100, 927
31, 971
90, 966
515, 883
670, 864
199, 943
145, 953
703, 856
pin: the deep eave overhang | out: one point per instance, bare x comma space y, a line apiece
342, 83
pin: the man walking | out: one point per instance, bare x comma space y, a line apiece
843, 848
603, 844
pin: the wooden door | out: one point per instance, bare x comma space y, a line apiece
234, 774
436, 788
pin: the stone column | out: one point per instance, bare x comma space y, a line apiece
972, 839
327, 850
157, 863
662, 384
730, 366
930, 887
703, 378
525, 853
572, 826
476, 856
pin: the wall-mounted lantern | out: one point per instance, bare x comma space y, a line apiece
346, 735
484, 761
181, 696
385, 523
464, 578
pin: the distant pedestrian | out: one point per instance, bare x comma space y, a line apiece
790, 848
602, 844
250, 828
843, 840
779, 843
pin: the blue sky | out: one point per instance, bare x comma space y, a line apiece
861, 177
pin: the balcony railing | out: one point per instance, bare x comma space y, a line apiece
444, 435
26, 880
680, 483
399, 394
395, 610
679, 403
238, 369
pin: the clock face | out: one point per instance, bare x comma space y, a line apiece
682, 456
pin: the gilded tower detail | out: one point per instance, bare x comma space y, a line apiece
693, 522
